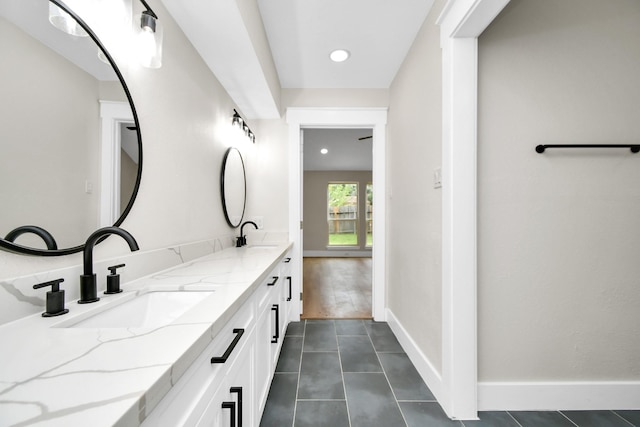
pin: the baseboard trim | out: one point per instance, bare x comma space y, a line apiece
337, 253
427, 371
579, 396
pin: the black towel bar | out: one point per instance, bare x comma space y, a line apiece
635, 148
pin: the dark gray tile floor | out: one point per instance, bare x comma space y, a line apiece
353, 373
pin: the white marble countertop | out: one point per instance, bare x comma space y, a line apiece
60, 376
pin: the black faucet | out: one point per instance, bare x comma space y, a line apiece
88, 286
242, 239
39, 231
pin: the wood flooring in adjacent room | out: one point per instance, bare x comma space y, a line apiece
336, 288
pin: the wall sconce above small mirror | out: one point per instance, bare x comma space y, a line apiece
233, 187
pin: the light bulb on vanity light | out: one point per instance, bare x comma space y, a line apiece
65, 22
242, 128
149, 34
236, 120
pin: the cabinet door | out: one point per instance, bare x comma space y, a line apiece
276, 335
263, 357
214, 414
232, 405
241, 388
287, 289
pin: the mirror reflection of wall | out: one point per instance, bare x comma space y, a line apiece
50, 128
50, 140
129, 161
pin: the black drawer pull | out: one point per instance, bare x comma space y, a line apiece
239, 391
275, 338
232, 414
275, 280
289, 279
225, 356
287, 260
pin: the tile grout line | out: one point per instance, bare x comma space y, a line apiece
344, 385
624, 419
384, 372
295, 401
513, 418
569, 419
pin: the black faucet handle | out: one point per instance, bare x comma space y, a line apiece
113, 268
113, 280
55, 298
55, 285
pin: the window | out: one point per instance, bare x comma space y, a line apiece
342, 213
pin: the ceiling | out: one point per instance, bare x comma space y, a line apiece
377, 33
257, 47
345, 151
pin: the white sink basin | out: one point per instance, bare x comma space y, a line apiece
151, 309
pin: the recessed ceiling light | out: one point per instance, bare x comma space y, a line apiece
339, 55
324, 151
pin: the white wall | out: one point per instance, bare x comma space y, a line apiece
335, 98
557, 233
268, 177
414, 233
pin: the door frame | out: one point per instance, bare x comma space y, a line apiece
112, 115
461, 23
372, 118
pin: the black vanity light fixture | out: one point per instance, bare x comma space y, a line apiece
238, 122
147, 29
149, 37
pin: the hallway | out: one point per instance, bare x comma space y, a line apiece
353, 373
337, 288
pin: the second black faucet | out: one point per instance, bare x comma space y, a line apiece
241, 240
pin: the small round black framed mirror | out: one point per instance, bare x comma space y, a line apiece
233, 187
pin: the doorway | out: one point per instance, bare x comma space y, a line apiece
299, 119
338, 212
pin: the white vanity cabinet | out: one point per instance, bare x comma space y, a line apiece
287, 289
192, 395
269, 334
233, 393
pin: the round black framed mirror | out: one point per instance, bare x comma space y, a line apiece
233, 187
52, 128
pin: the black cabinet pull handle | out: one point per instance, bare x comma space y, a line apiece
287, 260
225, 356
275, 279
239, 391
232, 414
275, 338
289, 279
